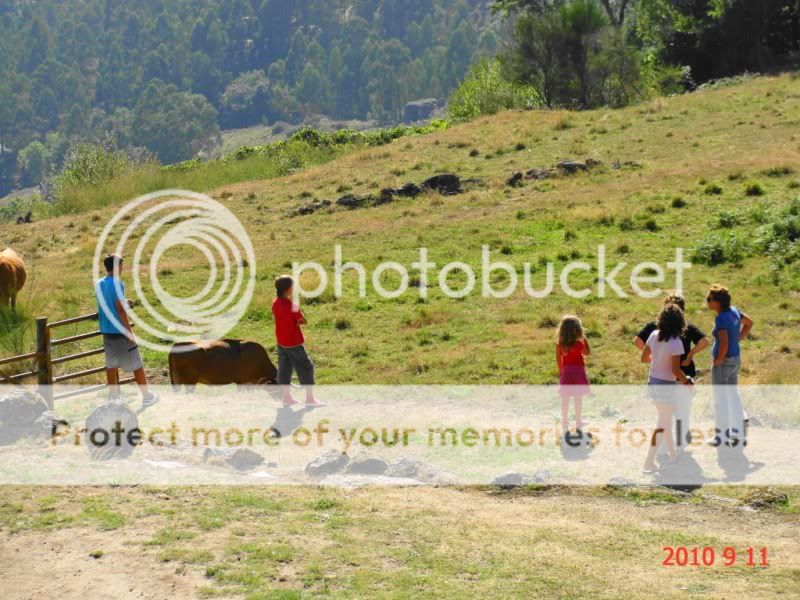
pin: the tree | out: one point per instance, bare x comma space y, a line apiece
539, 55
33, 162
312, 89
245, 99
174, 125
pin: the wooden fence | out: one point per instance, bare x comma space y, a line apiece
44, 361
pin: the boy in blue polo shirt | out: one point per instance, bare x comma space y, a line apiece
119, 343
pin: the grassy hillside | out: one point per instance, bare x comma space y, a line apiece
698, 160
697, 155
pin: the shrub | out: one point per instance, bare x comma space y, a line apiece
753, 188
678, 202
712, 189
714, 249
484, 91
728, 219
651, 225
626, 224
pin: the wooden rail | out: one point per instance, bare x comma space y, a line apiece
43, 371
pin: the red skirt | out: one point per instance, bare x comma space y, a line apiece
573, 382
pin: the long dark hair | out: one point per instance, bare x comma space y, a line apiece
671, 323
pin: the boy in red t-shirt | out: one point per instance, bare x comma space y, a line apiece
292, 355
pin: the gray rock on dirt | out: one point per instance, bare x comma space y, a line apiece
19, 411
367, 465
102, 440
327, 463
241, 459
50, 424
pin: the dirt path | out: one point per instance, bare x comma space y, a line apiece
58, 564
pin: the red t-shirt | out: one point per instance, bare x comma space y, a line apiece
287, 323
573, 356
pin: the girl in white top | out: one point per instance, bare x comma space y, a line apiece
663, 351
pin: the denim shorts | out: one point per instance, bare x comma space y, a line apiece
663, 391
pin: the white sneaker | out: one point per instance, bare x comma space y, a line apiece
150, 400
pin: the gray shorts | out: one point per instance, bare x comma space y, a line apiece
295, 359
121, 353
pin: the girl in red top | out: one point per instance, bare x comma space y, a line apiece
573, 383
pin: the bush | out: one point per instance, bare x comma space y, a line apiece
678, 202
753, 188
712, 189
714, 250
729, 219
484, 91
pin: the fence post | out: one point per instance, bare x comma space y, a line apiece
43, 361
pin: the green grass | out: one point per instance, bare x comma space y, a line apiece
551, 541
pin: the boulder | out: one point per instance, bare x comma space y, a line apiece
327, 463
19, 411
538, 174
409, 190
446, 184
367, 465
309, 209
419, 110
404, 466
350, 201
50, 425
515, 180
571, 167
509, 479
541, 476
111, 431
241, 459
386, 196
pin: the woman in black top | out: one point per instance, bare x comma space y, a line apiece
694, 341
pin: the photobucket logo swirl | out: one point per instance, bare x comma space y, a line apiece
179, 221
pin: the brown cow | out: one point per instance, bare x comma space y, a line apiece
12, 277
220, 362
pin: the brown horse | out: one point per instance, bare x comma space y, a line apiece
12, 277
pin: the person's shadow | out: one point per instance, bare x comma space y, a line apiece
288, 420
735, 464
686, 475
576, 445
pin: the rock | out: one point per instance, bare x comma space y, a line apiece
541, 476
538, 174
328, 463
50, 424
570, 167
386, 196
409, 190
241, 459
515, 180
109, 431
19, 411
509, 479
311, 208
419, 110
367, 465
350, 201
404, 466
446, 184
